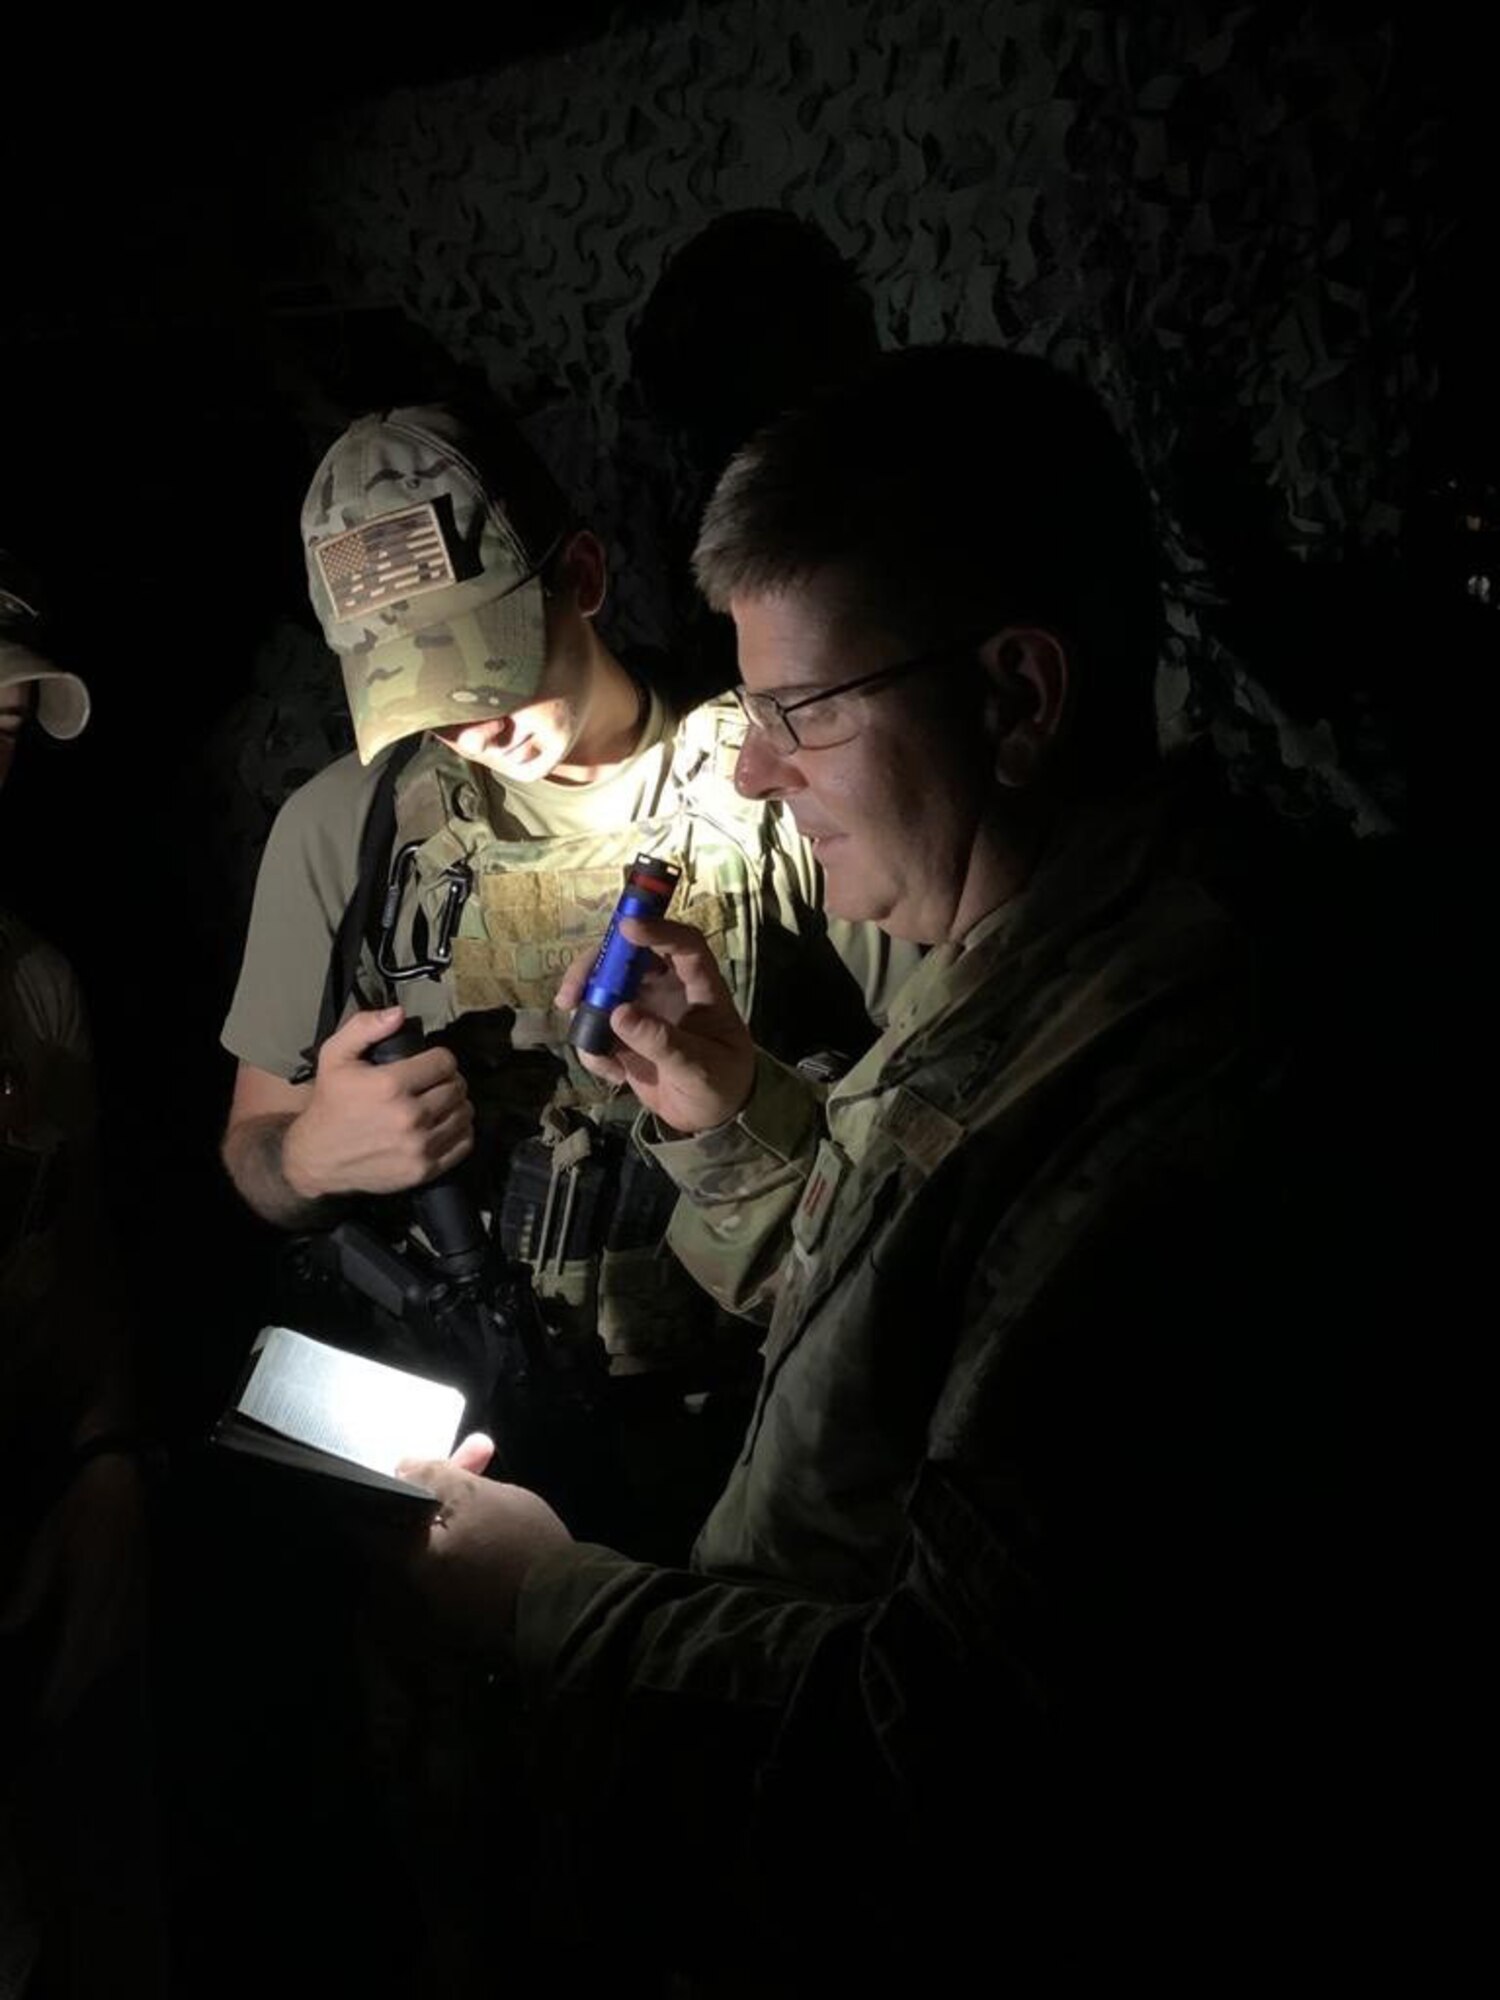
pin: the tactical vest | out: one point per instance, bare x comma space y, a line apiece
573, 1200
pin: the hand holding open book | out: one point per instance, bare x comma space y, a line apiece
341, 1418
346, 1423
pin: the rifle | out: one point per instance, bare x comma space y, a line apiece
461, 1307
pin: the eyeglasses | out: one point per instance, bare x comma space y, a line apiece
833, 719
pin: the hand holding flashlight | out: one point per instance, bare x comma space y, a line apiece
680, 1044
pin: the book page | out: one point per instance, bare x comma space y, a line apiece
345, 1404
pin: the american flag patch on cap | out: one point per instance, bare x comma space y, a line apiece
398, 555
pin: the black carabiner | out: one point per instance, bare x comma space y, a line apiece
457, 880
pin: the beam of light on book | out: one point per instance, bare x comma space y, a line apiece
345, 1404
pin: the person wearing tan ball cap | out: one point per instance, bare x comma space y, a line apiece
31, 687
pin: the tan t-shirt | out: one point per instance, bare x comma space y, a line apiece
552, 811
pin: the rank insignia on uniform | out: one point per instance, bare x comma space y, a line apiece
816, 1204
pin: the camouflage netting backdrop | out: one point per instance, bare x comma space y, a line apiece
1221, 215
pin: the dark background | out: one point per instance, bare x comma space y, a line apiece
1243, 223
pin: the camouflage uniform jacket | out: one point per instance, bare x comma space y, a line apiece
968, 1505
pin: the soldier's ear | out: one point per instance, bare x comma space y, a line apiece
583, 570
1028, 687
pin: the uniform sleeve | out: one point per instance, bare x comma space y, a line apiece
740, 1185
307, 875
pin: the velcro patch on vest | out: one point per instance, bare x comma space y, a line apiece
532, 904
923, 1133
535, 924
396, 556
523, 976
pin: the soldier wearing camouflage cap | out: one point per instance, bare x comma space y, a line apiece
431, 589
523, 767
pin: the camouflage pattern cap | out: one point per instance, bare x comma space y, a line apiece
421, 578
62, 700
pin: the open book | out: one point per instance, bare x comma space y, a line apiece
338, 1417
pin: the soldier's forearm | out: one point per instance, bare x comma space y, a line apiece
254, 1156
741, 1185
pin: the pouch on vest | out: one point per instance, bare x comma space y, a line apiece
589, 1215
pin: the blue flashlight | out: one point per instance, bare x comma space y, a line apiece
616, 972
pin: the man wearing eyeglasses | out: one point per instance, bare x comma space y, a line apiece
508, 768
983, 1646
